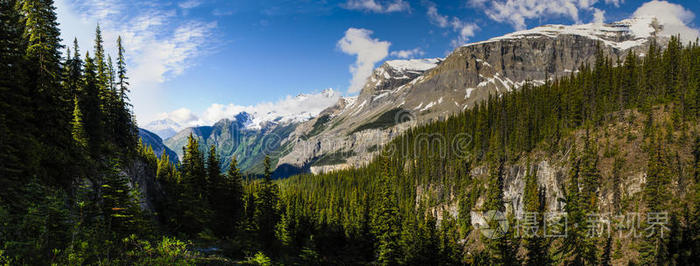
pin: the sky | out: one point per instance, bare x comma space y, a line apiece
197, 61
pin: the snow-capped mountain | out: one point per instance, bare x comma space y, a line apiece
164, 128
351, 130
420, 91
256, 131
621, 35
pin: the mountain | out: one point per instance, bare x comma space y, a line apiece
165, 128
256, 132
401, 94
151, 139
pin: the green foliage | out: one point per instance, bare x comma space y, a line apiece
386, 222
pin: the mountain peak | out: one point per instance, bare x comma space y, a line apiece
414, 64
621, 35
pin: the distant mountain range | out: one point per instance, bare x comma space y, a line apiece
151, 139
401, 94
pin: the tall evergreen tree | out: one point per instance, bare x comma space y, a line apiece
19, 158
576, 250
90, 104
78, 132
657, 196
534, 204
387, 221
51, 102
122, 83
267, 209
193, 199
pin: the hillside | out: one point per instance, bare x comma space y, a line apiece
601, 145
557, 145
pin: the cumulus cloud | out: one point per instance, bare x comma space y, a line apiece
297, 108
368, 50
599, 16
408, 53
378, 6
516, 12
159, 45
464, 29
674, 18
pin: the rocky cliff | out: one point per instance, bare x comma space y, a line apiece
403, 93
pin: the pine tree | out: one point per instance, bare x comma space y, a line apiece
78, 132
577, 250
101, 62
19, 157
214, 180
234, 192
450, 249
386, 221
534, 204
90, 104
501, 246
51, 103
119, 203
589, 177
657, 196
193, 203
122, 83
266, 209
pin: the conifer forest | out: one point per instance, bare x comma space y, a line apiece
597, 167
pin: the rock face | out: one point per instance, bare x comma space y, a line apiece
404, 93
401, 94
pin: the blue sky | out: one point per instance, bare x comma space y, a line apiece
184, 56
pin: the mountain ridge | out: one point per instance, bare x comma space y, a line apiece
400, 94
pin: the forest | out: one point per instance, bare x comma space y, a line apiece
69, 152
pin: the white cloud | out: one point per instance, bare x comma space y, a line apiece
159, 45
516, 12
437, 19
674, 18
189, 4
369, 51
298, 108
464, 30
378, 6
408, 53
599, 16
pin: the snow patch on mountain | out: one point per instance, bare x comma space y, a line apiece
414, 64
299, 108
164, 128
622, 35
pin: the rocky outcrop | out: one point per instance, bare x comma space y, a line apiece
420, 91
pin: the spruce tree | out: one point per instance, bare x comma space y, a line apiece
534, 204
51, 103
386, 221
20, 148
78, 132
576, 250
122, 83
215, 180
266, 209
90, 104
657, 196
194, 207
234, 192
